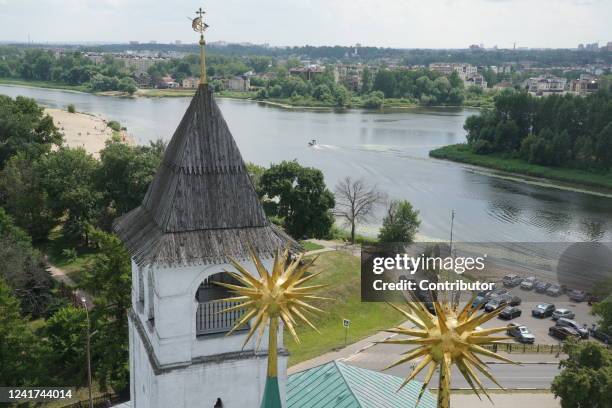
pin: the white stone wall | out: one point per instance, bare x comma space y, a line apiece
173, 340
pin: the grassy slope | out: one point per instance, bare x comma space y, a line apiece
461, 153
342, 273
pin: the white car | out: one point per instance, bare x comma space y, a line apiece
528, 283
565, 313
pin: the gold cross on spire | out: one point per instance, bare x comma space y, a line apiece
200, 26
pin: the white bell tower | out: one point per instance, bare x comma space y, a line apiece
200, 209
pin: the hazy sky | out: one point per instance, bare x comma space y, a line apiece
389, 23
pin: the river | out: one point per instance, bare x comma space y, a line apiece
388, 149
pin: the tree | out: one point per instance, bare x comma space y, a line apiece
68, 177
20, 353
109, 280
356, 202
125, 173
298, 195
66, 333
22, 196
23, 268
586, 376
385, 82
604, 147
603, 310
400, 224
25, 128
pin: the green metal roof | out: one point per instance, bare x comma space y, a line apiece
337, 385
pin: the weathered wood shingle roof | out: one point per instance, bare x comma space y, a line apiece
201, 206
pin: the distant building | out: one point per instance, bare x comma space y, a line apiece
237, 83
476, 80
168, 82
143, 80
140, 64
584, 85
545, 84
464, 71
351, 76
307, 73
190, 82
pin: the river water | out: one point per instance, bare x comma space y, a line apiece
388, 149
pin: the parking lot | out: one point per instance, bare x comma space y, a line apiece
539, 327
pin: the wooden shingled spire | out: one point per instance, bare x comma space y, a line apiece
201, 206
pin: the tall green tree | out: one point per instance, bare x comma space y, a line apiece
24, 127
68, 177
66, 333
400, 224
23, 196
298, 194
109, 281
586, 376
23, 268
20, 351
125, 173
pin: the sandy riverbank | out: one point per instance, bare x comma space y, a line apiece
84, 130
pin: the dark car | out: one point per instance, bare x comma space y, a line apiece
479, 301
511, 280
520, 333
496, 303
541, 286
514, 300
583, 331
600, 335
510, 313
577, 295
543, 310
554, 290
563, 332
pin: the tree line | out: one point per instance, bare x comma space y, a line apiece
565, 131
73, 69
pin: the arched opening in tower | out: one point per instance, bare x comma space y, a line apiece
210, 315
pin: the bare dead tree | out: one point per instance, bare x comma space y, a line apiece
356, 201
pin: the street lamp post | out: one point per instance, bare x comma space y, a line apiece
84, 301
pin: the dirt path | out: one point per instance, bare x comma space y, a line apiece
61, 276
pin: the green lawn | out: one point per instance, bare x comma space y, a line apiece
462, 153
310, 246
44, 84
54, 249
342, 273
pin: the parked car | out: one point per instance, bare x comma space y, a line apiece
511, 280
496, 303
510, 312
542, 286
583, 331
543, 310
520, 333
600, 335
565, 313
528, 283
563, 332
497, 292
554, 290
577, 295
479, 301
514, 300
